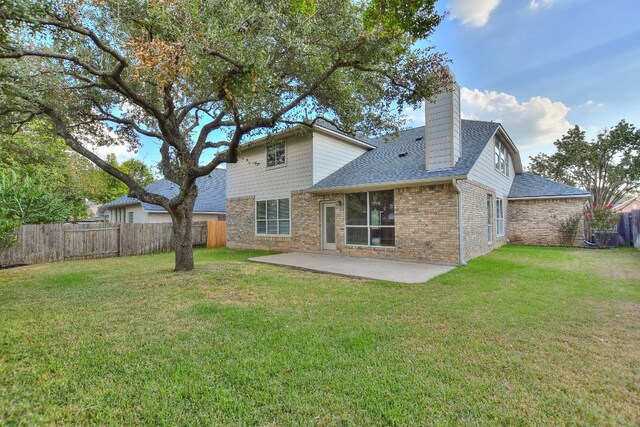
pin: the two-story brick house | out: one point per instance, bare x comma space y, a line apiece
445, 192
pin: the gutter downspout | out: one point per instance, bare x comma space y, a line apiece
460, 227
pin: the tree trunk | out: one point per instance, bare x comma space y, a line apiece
182, 218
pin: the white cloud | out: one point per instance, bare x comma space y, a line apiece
474, 13
120, 149
535, 4
590, 103
532, 124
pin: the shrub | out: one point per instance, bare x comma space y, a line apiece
568, 229
27, 200
603, 222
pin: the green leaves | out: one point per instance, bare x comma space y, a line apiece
418, 18
27, 200
608, 167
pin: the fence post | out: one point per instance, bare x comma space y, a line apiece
119, 240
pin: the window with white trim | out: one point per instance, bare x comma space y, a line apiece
501, 157
489, 218
273, 217
276, 154
370, 218
130, 217
499, 217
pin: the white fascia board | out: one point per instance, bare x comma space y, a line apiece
387, 185
343, 137
574, 196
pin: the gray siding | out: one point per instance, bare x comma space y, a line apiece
250, 176
140, 216
484, 172
442, 124
330, 154
457, 123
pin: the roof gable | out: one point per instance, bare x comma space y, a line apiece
212, 190
402, 157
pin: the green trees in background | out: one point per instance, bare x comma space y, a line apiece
37, 152
27, 200
608, 166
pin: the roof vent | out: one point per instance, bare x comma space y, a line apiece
420, 138
403, 154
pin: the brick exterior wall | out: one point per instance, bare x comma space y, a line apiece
305, 223
475, 218
536, 221
426, 225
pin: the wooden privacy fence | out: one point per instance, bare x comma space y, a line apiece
629, 228
216, 234
63, 242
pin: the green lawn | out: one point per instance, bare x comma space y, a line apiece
524, 335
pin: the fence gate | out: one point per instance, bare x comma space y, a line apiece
216, 234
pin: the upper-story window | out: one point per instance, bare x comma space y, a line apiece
501, 157
276, 154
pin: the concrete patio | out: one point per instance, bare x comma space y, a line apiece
367, 268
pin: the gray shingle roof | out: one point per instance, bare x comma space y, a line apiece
529, 185
384, 163
212, 194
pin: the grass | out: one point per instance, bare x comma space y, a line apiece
522, 336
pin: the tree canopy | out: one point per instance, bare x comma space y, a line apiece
36, 151
608, 166
203, 75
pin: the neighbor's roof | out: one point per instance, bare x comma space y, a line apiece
212, 194
625, 203
384, 164
527, 185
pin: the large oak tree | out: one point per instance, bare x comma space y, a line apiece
200, 76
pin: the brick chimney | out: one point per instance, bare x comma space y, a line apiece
442, 128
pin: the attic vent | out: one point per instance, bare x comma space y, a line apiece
403, 154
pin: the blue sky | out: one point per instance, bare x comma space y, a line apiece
541, 66
538, 66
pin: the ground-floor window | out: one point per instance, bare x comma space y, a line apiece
273, 217
489, 218
370, 219
499, 217
130, 217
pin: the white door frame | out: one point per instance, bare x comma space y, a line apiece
323, 232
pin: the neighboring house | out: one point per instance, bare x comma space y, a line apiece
446, 192
627, 206
210, 204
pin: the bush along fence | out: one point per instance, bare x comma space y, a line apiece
64, 242
629, 229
